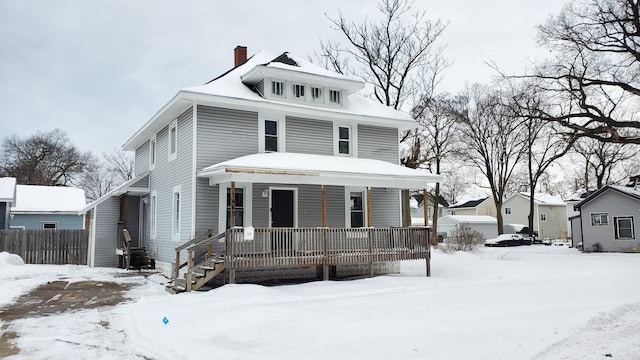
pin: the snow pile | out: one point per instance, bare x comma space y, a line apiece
7, 259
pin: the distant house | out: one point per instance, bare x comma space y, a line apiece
417, 208
484, 224
480, 206
549, 212
571, 202
47, 207
607, 219
7, 198
277, 160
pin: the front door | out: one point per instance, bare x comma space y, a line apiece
282, 216
282, 208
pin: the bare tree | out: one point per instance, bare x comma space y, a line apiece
593, 83
606, 162
104, 176
46, 158
397, 54
456, 182
436, 139
494, 142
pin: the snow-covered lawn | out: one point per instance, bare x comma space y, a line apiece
532, 302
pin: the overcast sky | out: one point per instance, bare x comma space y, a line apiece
100, 69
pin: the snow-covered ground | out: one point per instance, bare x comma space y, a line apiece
531, 302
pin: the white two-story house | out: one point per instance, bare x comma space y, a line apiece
274, 143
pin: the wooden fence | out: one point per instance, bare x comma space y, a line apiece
47, 246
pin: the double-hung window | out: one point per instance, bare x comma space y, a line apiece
173, 140
344, 140
270, 135
238, 209
623, 227
543, 217
357, 209
177, 213
298, 91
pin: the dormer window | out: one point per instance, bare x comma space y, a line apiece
298, 91
334, 96
277, 88
316, 93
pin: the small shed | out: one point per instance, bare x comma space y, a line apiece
484, 224
47, 207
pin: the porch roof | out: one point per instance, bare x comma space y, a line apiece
137, 186
294, 168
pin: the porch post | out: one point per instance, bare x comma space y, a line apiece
325, 267
232, 202
368, 206
426, 222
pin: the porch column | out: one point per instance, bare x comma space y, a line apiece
324, 206
426, 224
369, 206
232, 202
325, 266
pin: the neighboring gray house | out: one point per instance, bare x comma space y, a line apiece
607, 220
549, 214
47, 207
7, 198
276, 142
484, 224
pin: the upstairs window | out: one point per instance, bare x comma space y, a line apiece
298, 91
173, 140
270, 135
543, 217
334, 96
277, 88
152, 153
344, 140
507, 211
316, 93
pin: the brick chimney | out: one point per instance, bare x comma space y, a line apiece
239, 55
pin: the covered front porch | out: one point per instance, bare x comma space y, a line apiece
287, 210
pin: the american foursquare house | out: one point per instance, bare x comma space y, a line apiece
276, 169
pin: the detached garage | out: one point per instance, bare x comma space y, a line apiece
484, 224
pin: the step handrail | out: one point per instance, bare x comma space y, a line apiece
205, 238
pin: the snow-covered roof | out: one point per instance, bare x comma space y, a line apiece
230, 91
7, 189
294, 168
468, 203
48, 199
139, 185
471, 219
545, 199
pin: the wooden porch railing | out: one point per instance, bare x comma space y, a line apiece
293, 247
196, 244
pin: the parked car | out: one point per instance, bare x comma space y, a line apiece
508, 240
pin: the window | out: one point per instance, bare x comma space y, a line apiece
453, 212
334, 96
316, 93
152, 153
277, 88
507, 211
623, 227
173, 140
239, 207
49, 225
298, 90
543, 217
357, 211
270, 135
600, 219
344, 139
153, 214
176, 212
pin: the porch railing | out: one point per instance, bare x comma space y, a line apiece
293, 247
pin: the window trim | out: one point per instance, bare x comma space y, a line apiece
153, 153
347, 205
176, 212
264, 123
616, 228
280, 119
56, 225
283, 93
606, 214
172, 140
153, 214
222, 204
353, 139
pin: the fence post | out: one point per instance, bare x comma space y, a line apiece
428, 257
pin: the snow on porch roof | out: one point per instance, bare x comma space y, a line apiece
293, 168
